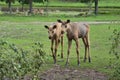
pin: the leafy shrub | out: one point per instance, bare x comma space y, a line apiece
16, 62
115, 38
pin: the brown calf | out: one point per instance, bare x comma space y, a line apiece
56, 36
74, 32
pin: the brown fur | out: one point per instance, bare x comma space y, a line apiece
74, 32
55, 35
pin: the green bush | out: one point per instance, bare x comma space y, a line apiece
115, 38
16, 62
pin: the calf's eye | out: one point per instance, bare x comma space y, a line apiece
65, 26
52, 31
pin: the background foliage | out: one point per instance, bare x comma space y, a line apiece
16, 62
115, 38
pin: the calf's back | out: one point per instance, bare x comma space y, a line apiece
79, 29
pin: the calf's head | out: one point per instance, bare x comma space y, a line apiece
51, 31
64, 25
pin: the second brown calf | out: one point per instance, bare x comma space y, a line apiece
74, 32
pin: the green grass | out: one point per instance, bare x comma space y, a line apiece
109, 3
64, 16
102, 3
24, 31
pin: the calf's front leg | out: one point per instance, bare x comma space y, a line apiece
62, 47
52, 43
56, 46
77, 50
68, 52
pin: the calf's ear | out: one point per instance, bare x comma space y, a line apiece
54, 26
46, 27
68, 21
59, 21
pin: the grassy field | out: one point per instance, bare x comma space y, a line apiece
24, 31
102, 3
54, 3
52, 17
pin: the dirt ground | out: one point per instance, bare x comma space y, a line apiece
58, 73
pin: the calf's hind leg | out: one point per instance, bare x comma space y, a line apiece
68, 52
53, 55
87, 49
77, 50
62, 47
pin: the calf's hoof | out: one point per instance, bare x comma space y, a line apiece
54, 62
89, 61
78, 64
61, 56
85, 59
66, 64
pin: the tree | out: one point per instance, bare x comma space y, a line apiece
26, 2
9, 2
22, 2
30, 2
30, 6
96, 7
91, 1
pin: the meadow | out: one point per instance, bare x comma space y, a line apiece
56, 3
24, 31
28, 34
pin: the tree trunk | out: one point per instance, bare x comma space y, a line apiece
9, 6
96, 7
46, 9
30, 6
22, 6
